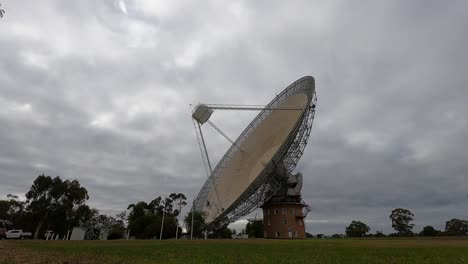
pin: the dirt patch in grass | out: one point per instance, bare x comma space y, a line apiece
13, 252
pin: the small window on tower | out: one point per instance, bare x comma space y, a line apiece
269, 223
276, 211
285, 221
291, 211
285, 211
277, 234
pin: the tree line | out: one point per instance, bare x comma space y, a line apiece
60, 205
146, 219
402, 223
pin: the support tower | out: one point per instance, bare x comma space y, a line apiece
284, 212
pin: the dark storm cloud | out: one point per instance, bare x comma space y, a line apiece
100, 92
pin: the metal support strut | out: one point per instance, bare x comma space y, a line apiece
224, 135
209, 166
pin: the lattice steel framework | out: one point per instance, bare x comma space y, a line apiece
285, 159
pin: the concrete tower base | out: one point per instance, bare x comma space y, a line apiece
283, 217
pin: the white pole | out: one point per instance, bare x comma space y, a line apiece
191, 229
177, 223
162, 222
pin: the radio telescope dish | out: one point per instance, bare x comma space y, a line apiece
259, 161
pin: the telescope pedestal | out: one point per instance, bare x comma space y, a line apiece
283, 217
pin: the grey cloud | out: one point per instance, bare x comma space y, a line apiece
99, 93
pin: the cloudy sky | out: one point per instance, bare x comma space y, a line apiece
100, 91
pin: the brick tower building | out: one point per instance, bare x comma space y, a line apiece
284, 213
283, 217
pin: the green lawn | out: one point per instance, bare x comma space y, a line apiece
439, 250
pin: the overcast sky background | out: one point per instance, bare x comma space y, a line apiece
99, 91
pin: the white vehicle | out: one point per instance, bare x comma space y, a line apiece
18, 234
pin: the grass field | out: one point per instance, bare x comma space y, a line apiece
438, 250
